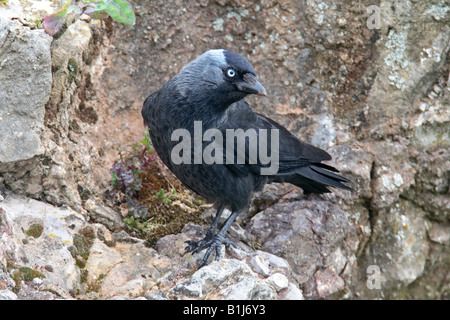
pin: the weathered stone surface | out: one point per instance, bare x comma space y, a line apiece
399, 249
29, 11
52, 100
135, 274
105, 215
7, 295
72, 257
355, 164
408, 62
47, 254
292, 293
25, 79
308, 234
328, 282
431, 188
278, 281
225, 279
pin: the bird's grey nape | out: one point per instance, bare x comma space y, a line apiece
214, 56
218, 53
205, 69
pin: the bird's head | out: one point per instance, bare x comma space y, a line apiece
225, 76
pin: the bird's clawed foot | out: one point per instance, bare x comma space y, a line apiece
212, 242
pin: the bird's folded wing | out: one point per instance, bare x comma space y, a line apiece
280, 145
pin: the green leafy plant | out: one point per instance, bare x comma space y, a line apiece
126, 173
165, 196
119, 10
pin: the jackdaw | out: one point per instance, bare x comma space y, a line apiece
209, 93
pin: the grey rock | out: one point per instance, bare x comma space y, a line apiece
48, 107
267, 264
132, 271
293, 293
392, 173
5, 278
31, 292
439, 234
399, 249
7, 295
50, 248
227, 279
356, 165
328, 282
105, 215
102, 259
158, 295
25, 79
408, 62
278, 281
259, 265
303, 233
431, 188
212, 276
271, 194
73, 255
248, 289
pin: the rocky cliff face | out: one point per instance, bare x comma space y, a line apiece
370, 86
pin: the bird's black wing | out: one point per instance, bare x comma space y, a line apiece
298, 163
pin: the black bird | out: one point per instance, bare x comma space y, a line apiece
211, 90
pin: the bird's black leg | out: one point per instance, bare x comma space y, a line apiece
196, 246
219, 239
217, 218
213, 241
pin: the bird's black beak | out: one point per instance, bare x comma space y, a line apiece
251, 85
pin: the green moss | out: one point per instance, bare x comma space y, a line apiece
83, 276
24, 274
80, 262
35, 230
29, 274
82, 243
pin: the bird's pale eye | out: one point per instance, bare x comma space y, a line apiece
231, 73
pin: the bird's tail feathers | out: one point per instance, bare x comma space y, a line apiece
315, 179
325, 166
